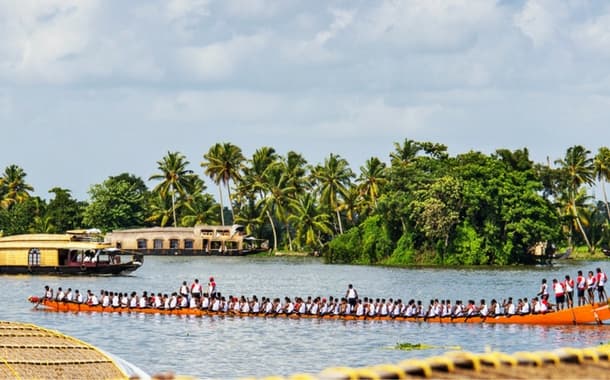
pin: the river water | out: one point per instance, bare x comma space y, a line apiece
225, 348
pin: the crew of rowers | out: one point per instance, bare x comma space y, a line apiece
194, 297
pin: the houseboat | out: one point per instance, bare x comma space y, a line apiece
201, 240
78, 252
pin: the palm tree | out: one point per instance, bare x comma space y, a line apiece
601, 165
309, 221
333, 179
249, 215
373, 176
295, 170
276, 199
202, 209
404, 154
254, 185
574, 212
13, 188
577, 169
223, 164
353, 205
174, 178
161, 210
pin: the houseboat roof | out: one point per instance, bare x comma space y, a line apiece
74, 241
197, 228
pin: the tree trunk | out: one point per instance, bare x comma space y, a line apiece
222, 208
582, 231
174, 205
339, 220
606, 199
231, 202
273, 229
289, 237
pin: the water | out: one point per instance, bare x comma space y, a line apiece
223, 348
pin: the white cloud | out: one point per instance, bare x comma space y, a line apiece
373, 117
539, 20
427, 25
219, 60
40, 37
214, 106
252, 8
179, 9
593, 36
315, 49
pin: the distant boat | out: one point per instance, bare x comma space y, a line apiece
606, 251
201, 240
77, 252
563, 255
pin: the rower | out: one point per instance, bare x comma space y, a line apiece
60, 295
483, 309
143, 300
133, 301
48, 292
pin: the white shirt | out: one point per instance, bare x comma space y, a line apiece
359, 309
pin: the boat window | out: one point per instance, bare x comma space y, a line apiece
216, 245
158, 243
174, 243
142, 244
34, 257
188, 243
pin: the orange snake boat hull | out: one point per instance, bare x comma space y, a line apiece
581, 315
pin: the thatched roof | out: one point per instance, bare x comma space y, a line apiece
28, 351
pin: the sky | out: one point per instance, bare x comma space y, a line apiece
95, 88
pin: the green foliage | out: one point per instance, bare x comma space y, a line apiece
404, 253
367, 244
21, 217
406, 346
63, 212
376, 244
116, 203
422, 207
467, 247
345, 248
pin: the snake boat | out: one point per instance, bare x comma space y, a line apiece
581, 315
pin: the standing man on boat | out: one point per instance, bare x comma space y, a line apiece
581, 286
352, 296
196, 289
601, 278
544, 289
212, 288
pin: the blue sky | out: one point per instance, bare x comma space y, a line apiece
92, 88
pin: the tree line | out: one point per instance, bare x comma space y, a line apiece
423, 206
